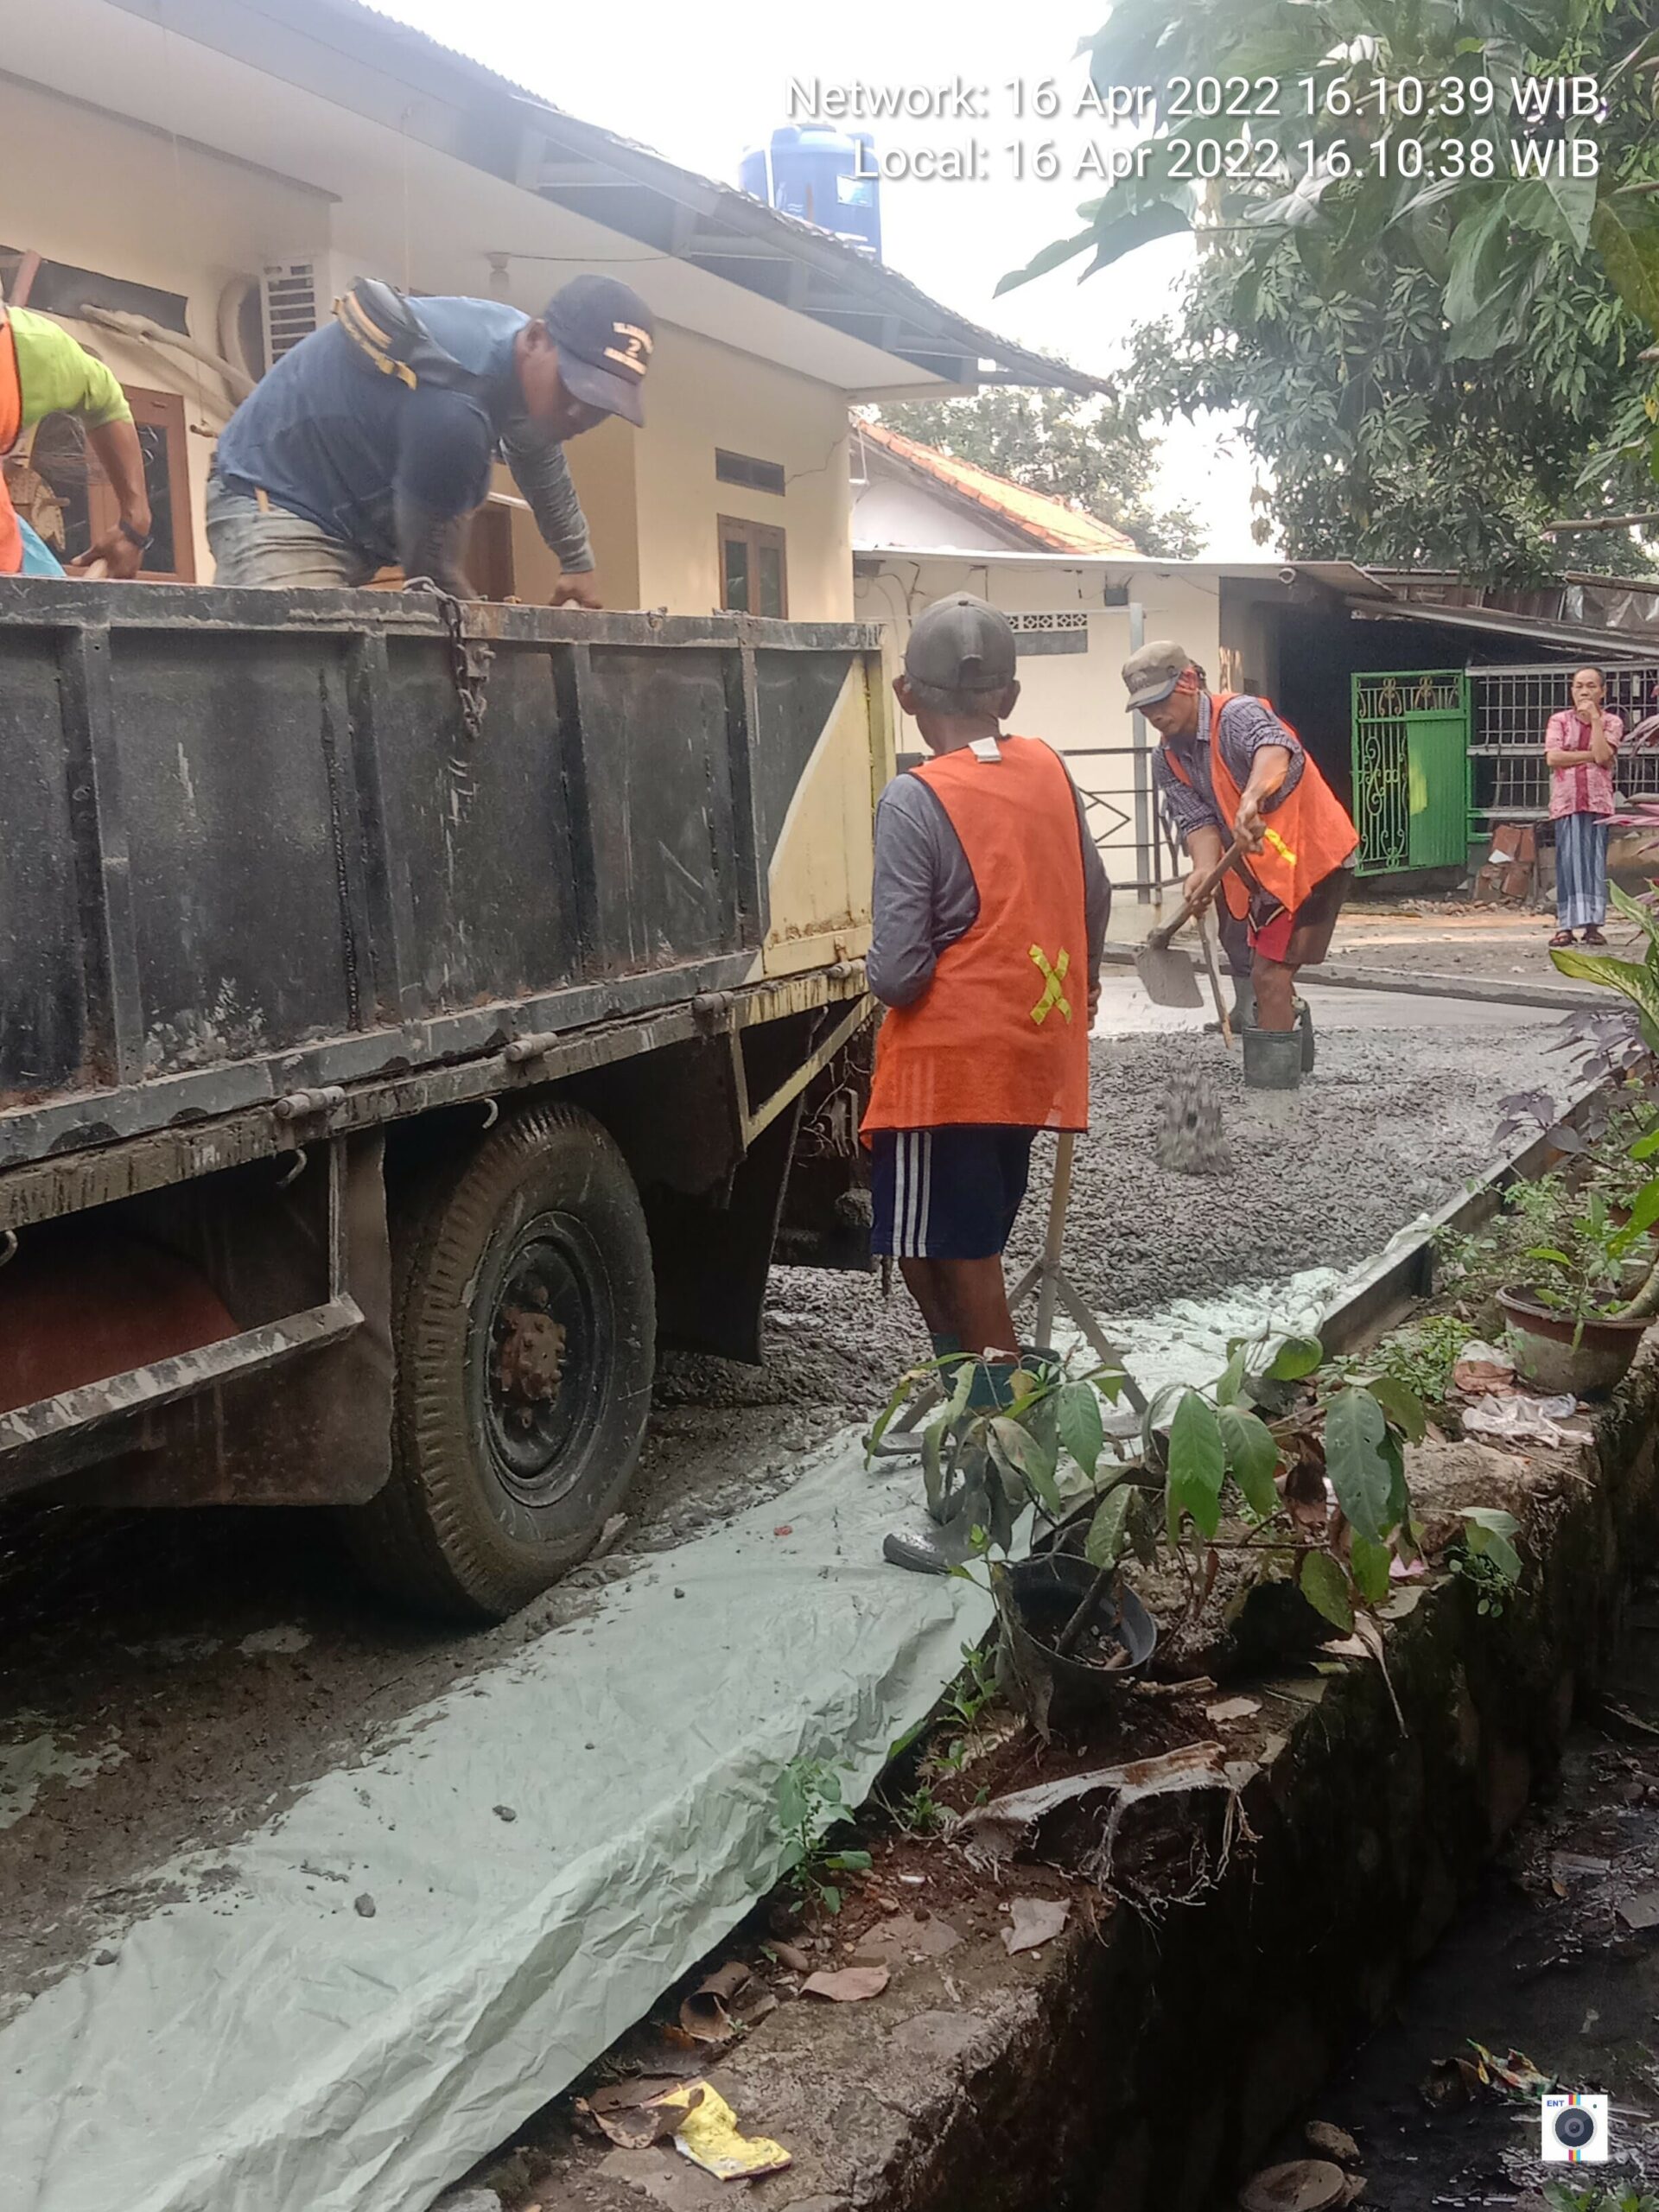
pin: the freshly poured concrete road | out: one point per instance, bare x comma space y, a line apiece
170, 1682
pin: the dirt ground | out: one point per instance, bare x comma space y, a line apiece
170, 1680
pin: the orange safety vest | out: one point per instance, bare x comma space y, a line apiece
11, 429
1000, 1035
1311, 832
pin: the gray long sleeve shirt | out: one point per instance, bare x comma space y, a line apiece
540, 470
926, 897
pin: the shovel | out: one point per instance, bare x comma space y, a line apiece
1167, 977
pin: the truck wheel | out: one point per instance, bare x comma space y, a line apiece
524, 1328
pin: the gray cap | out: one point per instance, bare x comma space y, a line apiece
1152, 673
961, 643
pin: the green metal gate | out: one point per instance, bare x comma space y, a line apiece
1412, 791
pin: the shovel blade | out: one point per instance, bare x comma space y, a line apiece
1166, 976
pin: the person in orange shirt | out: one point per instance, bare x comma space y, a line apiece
990, 906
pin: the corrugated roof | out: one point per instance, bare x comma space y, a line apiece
1042, 520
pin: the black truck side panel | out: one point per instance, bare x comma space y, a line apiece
254, 844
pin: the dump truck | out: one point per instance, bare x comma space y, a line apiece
412, 1015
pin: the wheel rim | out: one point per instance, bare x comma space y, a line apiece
540, 1359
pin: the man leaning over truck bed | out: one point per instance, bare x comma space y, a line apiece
991, 908
370, 445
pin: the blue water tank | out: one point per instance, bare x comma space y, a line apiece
810, 170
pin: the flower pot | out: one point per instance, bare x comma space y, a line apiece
1559, 1355
1040, 1596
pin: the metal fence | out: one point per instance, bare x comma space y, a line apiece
1509, 709
1411, 769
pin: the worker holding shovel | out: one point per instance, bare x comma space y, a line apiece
1230, 771
990, 909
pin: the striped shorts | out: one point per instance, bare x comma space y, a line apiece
949, 1193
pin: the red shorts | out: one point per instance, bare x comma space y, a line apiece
1273, 943
1317, 916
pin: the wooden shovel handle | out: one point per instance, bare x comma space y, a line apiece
1158, 939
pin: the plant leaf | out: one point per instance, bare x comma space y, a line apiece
1354, 1430
1122, 1524
1080, 1430
1403, 1407
1296, 1358
1232, 1381
1325, 1588
1369, 1564
1252, 1460
1198, 1466
1030, 1456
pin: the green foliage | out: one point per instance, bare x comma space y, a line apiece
807, 1801
1433, 366
1412, 1367
1594, 2196
1485, 1556
1089, 452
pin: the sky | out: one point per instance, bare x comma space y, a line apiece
702, 85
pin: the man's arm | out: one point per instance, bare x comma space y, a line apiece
543, 474
443, 474
120, 549
59, 376
1263, 758
1097, 896
905, 927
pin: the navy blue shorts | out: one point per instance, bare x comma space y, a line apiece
947, 1194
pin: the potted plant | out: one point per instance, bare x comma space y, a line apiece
1577, 1320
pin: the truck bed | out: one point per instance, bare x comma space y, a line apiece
254, 844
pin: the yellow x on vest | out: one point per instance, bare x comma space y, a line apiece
1053, 977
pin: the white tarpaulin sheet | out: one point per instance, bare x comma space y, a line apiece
269, 2047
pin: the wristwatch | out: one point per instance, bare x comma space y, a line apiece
135, 537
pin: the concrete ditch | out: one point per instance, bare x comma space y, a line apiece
1138, 2062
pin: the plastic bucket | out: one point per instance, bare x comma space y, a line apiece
1273, 1059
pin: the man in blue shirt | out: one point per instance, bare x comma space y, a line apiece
353, 456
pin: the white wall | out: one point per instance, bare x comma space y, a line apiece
1075, 700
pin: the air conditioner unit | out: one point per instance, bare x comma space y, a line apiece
297, 292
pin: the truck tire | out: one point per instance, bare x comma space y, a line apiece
523, 1330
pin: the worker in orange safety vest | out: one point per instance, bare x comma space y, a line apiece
990, 906
1229, 768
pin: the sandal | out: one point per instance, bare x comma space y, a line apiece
1561, 937
1593, 936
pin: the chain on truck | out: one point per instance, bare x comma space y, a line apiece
411, 1017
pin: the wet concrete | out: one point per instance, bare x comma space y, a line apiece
1544, 1960
170, 1680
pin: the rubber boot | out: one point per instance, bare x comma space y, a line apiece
1305, 1025
1273, 1059
939, 1542
1243, 1008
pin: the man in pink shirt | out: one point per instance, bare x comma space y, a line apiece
1579, 745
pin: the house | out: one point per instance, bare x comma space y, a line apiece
1422, 696
189, 185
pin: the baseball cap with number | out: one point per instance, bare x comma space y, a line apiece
604, 332
1152, 673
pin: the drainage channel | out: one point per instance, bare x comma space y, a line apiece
1551, 1972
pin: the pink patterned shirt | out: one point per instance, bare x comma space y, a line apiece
1588, 790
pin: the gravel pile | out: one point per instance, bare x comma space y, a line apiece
1391, 1123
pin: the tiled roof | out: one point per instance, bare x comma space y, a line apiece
1037, 518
